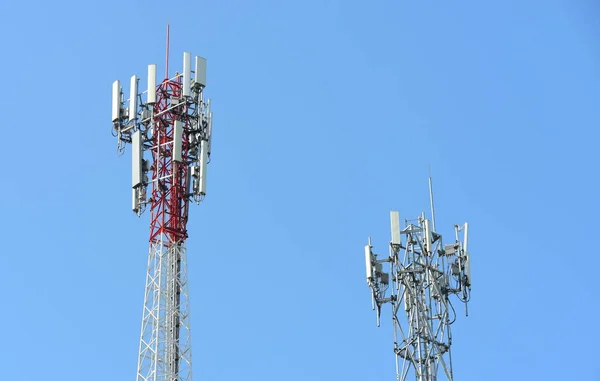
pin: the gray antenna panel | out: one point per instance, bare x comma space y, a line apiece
134, 200
407, 301
177, 140
395, 225
151, 99
210, 119
200, 70
136, 159
133, 98
116, 101
189, 179
187, 73
203, 162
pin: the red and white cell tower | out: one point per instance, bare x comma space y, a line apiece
172, 124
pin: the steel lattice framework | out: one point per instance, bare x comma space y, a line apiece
173, 124
420, 274
165, 343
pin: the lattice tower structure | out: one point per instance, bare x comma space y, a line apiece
418, 278
173, 123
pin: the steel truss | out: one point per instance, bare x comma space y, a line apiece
173, 122
421, 274
165, 352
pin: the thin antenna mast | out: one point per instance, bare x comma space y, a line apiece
431, 198
167, 55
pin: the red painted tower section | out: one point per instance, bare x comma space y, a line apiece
170, 198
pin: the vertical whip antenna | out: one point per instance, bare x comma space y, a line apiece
431, 198
167, 55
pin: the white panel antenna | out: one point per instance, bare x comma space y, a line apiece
116, 101
133, 98
468, 261
187, 74
151, 99
466, 235
177, 140
200, 71
428, 237
369, 263
395, 225
203, 162
136, 159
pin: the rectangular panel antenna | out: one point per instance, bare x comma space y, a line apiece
368, 263
134, 199
136, 159
116, 101
189, 180
187, 73
151, 99
177, 140
133, 98
466, 235
200, 71
468, 262
395, 225
210, 118
427, 237
203, 162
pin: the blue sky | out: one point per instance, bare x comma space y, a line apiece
327, 114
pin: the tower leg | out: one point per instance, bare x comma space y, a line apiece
165, 352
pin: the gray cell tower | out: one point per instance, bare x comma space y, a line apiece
418, 279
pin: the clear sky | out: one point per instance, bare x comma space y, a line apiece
327, 114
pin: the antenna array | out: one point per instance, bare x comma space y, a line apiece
418, 278
172, 124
